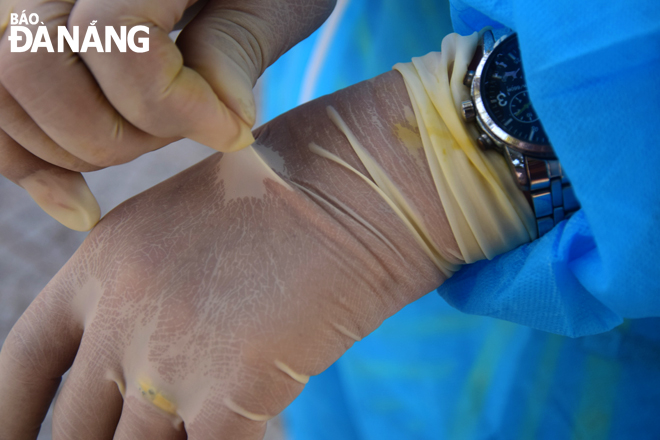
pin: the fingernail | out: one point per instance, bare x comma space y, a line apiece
232, 135
235, 91
64, 196
245, 107
243, 139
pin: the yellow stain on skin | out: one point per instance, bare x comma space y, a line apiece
156, 397
408, 134
410, 117
164, 404
410, 138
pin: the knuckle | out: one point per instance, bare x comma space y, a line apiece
146, 118
153, 93
152, 114
106, 152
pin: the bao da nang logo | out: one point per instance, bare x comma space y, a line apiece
22, 40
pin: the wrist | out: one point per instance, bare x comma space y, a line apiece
409, 147
379, 114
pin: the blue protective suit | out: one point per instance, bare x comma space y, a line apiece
592, 72
432, 372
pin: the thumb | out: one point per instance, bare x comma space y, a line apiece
231, 42
224, 53
62, 194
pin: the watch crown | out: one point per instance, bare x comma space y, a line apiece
469, 76
485, 142
467, 108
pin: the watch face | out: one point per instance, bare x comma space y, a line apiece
505, 94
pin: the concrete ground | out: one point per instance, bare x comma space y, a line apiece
33, 247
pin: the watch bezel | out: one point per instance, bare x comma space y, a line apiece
486, 122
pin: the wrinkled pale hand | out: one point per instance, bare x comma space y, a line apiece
63, 113
199, 308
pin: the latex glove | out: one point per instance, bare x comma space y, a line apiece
205, 303
63, 113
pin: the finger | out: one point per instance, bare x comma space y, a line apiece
157, 92
209, 44
231, 42
62, 194
37, 351
60, 94
90, 402
140, 419
20, 127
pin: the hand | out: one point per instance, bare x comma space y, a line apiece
200, 307
63, 113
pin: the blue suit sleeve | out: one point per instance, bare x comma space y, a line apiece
592, 71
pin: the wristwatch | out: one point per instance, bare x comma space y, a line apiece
508, 123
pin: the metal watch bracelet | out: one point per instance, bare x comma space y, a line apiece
551, 193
